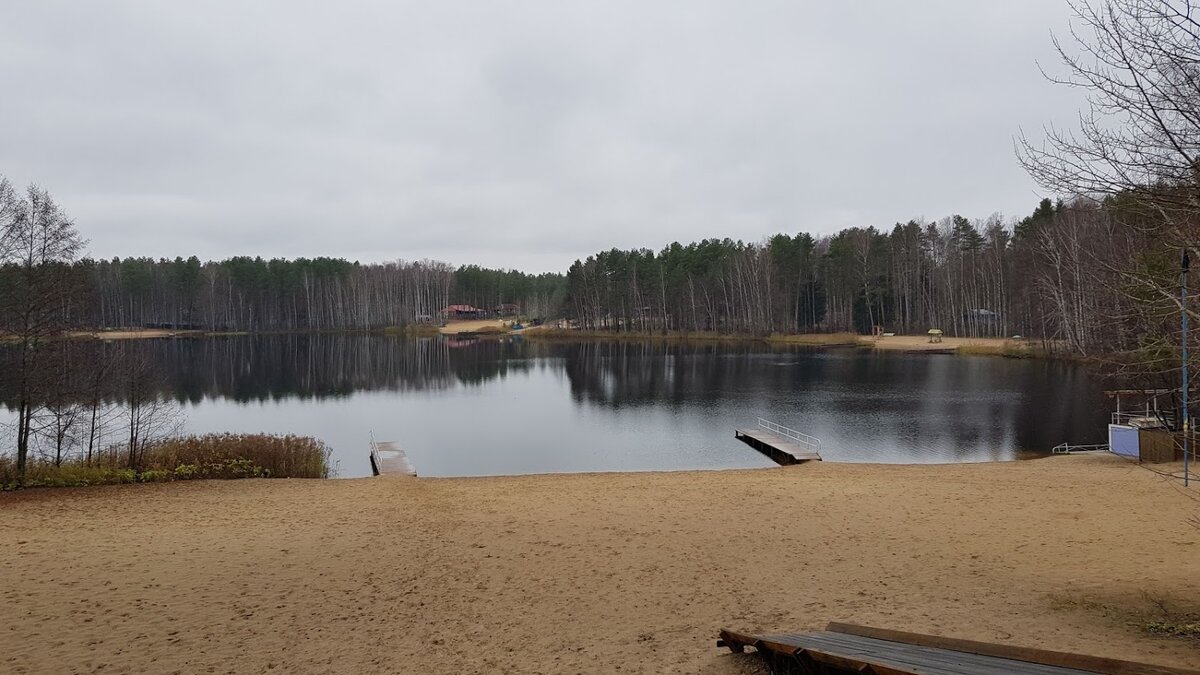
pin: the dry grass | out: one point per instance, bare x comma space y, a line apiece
185, 458
1009, 348
822, 339
1152, 613
275, 456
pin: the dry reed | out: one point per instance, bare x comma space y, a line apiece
185, 458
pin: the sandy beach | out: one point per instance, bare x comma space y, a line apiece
471, 326
921, 343
600, 573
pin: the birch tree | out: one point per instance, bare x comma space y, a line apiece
36, 293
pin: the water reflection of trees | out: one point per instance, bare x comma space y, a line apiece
962, 404
301, 366
638, 373
326, 366
939, 401
315, 366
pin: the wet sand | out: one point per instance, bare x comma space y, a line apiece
629, 573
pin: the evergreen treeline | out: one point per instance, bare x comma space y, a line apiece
965, 277
539, 295
253, 294
1061, 273
969, 278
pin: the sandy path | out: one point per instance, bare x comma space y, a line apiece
581, 573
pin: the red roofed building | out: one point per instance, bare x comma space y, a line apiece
462, 312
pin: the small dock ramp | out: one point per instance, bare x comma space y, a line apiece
783, 445
847, 648
387, 459
1069, 449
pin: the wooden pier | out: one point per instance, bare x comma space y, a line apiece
387, 459
847, 648
783, 445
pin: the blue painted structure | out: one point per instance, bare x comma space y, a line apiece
1123, 440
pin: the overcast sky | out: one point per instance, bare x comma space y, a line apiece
517, 134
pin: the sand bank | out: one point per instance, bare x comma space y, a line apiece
900, 343
475, 325
921, 343
148, 334
586, 573
892, 343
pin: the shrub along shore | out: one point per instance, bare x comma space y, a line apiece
223, 456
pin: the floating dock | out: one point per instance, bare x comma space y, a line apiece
783, 445
847, 648
387, 459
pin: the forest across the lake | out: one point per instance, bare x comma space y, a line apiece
1036, 276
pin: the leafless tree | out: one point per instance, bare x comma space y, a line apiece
10, 211
1135, 154
1139, 62
39, 243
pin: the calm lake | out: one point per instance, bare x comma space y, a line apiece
486, 407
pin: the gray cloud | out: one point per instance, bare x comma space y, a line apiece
516, 134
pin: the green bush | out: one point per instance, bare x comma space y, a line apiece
233, 468
155, 476
41, 474
186, 471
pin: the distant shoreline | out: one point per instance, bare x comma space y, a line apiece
911, 344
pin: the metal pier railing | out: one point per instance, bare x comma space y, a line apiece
1069, 449
809, 443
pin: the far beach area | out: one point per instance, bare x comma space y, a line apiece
632, 572
973, 346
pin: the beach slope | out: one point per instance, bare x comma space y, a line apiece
587, 573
